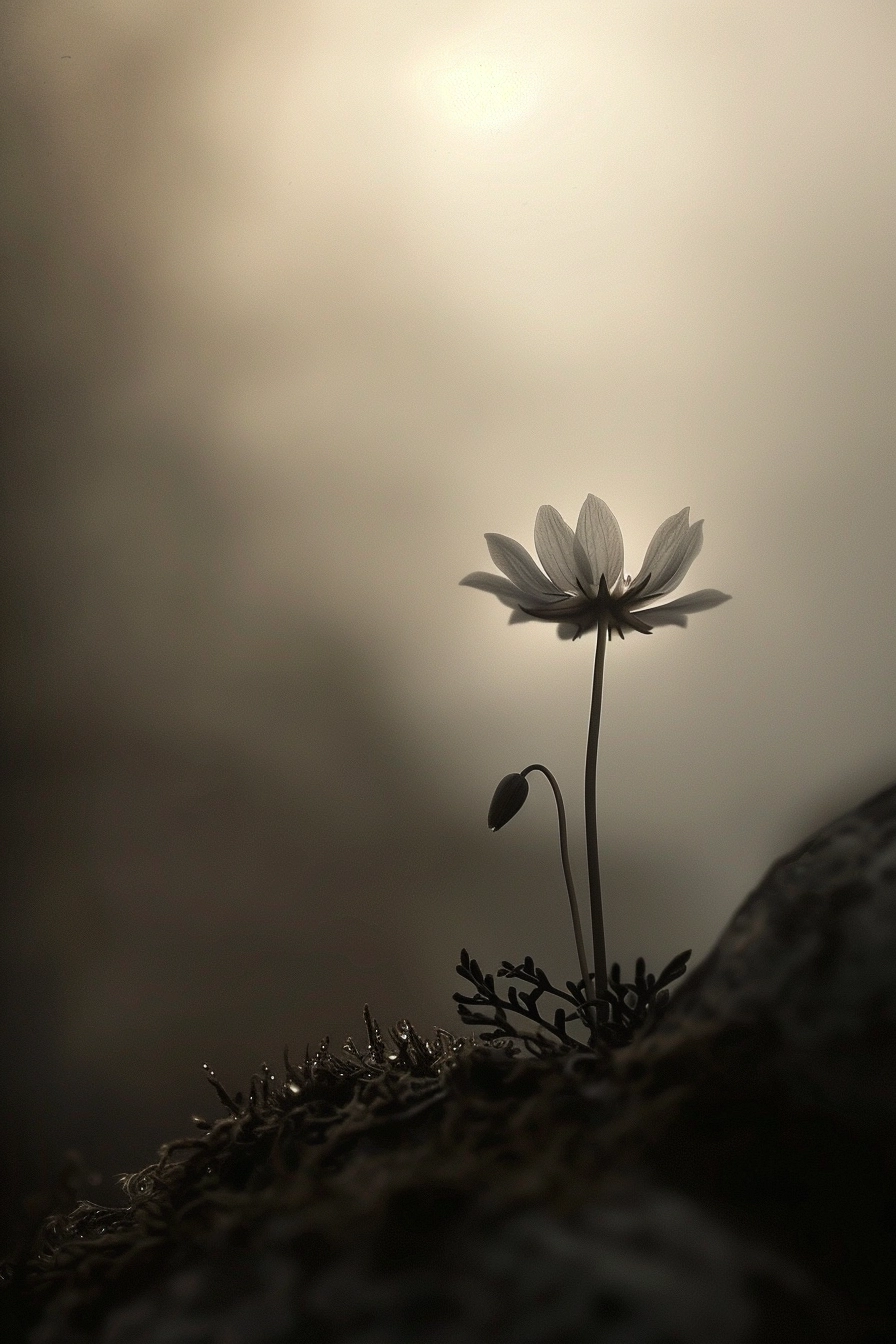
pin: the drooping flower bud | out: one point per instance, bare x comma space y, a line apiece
509, 797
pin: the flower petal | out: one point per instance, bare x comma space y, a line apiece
690, 547
555, 544
502, 588
515, 561
677, 612
665, 553
583, 567
601, 539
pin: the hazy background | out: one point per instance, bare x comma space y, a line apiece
301, 299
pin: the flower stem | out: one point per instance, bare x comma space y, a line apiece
567, 873
597, 914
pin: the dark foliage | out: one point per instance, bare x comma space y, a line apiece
293, 1135
611, 1019
311, 1117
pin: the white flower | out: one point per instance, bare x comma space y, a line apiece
583, 579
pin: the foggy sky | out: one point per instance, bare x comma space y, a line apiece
304, 299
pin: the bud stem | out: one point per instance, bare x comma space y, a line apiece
567, 873
597, 914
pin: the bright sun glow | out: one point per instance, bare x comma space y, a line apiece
484, 93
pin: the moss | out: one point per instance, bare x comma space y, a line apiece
402, 1135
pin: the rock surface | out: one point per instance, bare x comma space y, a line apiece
728, 1178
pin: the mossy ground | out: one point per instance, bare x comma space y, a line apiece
398, 1139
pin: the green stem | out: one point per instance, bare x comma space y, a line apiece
567, 873
597, 914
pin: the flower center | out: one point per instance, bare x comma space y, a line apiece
616, 610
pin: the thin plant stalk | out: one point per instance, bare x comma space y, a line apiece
597, 913
567, 873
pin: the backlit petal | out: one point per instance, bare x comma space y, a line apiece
601, 539
555, 544
515, 561
583, 567
677, 612
502, 588
686, 553
663, 553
